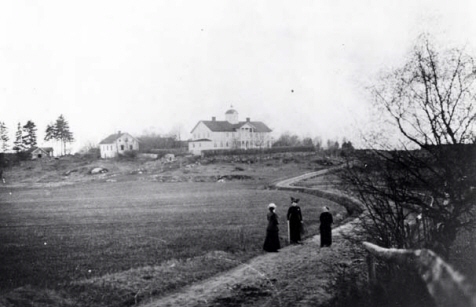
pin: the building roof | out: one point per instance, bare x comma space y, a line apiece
225, 126
47, 149
231, 111
32, 149
113, 137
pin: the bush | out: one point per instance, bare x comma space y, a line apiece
254, 151
128, 155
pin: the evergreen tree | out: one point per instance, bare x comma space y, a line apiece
4, 137
29, 138
64, 134
18, 144
50, 133
59, 131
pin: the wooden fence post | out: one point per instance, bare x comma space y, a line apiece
371, 269
446, 286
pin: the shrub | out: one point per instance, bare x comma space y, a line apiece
254, 151
128, 155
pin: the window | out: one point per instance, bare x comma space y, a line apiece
122, 147
193, 145
226, 144
130, 147
221, 144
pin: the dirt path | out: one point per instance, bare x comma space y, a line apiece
299, 275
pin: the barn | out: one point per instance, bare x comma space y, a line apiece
40, 152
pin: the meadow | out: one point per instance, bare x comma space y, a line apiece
107, 243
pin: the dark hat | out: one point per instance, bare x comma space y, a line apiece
294, 200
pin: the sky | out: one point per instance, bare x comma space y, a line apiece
159, 66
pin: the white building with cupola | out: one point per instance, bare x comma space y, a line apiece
230, 133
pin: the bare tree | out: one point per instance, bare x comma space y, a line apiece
287, 139
429, 181
261, 140
318, 143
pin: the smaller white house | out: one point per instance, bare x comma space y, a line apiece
116, 144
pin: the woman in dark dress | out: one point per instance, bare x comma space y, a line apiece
271, 243
325, 227
295, 220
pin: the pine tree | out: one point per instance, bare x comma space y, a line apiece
29, 138
18, 144
59, 131
50, 133
4, 137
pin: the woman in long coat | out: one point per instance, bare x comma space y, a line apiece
271, 243
325, 227
295, 220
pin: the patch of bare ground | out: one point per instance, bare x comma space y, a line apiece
76, 169
298, 275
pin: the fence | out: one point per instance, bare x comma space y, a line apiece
446, 286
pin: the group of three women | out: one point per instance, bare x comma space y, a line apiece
295, 227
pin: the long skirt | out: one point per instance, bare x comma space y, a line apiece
295, 231
326, 236
271, 243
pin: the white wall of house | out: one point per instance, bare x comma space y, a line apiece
246, 137
125, 142
108, 150
243, 139
196, 147
202, 132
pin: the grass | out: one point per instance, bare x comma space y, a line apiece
88, 239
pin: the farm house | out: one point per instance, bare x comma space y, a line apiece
229, 134
116, 144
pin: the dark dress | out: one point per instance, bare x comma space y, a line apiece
295, 219
325, 228
271, 243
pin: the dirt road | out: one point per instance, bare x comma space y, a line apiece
298, 275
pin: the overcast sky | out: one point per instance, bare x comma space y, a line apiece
136, 66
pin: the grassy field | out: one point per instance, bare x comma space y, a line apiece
108, 241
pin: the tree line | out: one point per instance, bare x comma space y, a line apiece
26, 136
332, 146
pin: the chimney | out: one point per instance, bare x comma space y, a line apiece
214, 118
119, 132
247, 119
